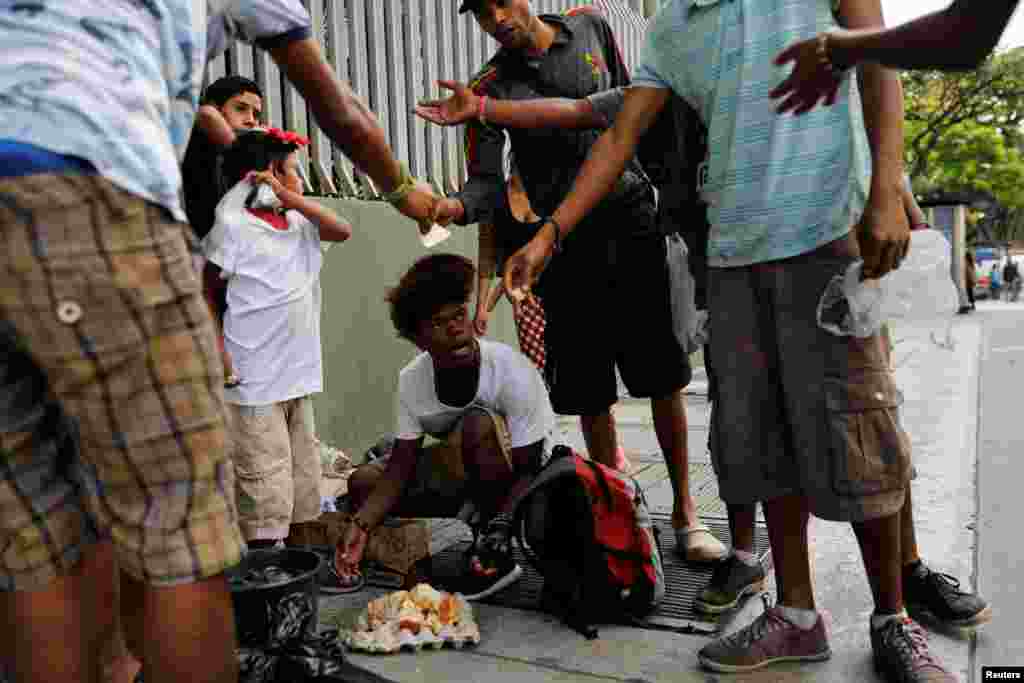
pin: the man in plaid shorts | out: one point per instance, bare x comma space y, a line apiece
111, 422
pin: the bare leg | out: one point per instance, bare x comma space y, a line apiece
908, 537
600, 436
182, 633
741, 525
787, 530
58, 634
879, 541
670, 426
118, 665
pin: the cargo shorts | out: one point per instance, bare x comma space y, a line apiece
111, 392
277, 466
799, 410
438, 486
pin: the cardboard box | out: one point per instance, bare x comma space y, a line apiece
396, 545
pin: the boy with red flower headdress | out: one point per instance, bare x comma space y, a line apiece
266, 244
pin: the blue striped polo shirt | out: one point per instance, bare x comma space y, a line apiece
776, 186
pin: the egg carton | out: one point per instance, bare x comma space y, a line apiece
383, 641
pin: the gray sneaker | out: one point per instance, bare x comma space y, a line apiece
769, 639
902, 655
730, 581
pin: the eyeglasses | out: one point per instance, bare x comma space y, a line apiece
459, 315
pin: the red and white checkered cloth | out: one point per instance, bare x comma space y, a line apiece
530, 324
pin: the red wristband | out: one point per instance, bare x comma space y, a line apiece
481, 113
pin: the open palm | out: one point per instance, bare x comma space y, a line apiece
459, 108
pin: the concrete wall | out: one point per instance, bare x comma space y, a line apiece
362, 352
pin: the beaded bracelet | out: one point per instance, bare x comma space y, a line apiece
406, 184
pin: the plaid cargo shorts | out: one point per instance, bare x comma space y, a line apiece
105, 338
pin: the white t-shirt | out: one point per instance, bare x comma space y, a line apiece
272, 325
510, 386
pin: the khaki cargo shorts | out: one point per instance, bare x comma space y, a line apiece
104, 330
438, 487
277, 466
799, 410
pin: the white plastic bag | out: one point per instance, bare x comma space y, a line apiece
921, 290
681, 293
263, 197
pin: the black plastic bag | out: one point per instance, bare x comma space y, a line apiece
292, 654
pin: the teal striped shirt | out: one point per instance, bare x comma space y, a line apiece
776, 186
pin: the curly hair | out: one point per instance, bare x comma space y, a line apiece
430, 284
252, 150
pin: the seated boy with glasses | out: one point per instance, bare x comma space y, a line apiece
485, 406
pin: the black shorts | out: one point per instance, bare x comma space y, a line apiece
607, 304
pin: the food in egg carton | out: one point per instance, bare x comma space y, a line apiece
421, 617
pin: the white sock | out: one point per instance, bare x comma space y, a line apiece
749, 559
880, 620
801, 618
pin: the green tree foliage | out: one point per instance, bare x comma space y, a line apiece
963, 135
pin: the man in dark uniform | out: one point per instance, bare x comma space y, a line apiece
622, 316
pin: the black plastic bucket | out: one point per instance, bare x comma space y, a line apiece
252, 602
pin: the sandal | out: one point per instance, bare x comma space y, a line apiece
697, 544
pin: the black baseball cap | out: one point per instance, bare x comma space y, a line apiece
468, 5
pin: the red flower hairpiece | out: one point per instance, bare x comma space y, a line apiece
287, 137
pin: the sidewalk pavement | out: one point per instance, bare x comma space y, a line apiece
939, 413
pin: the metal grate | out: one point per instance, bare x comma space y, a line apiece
684, 579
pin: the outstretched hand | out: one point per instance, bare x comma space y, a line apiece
419, 205
525, 266
811, 81
462, 106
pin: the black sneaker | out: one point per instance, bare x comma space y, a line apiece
730, 581
902, 656
490, 566
935, 597
489, 574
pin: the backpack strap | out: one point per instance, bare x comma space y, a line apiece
602, 481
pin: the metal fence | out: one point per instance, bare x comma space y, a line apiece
392, 52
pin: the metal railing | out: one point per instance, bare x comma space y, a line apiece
392, 52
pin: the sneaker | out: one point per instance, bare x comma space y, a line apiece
487, 576
769, 639
935, 597
730, 581
490, 566
902, 655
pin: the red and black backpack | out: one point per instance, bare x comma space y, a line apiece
587, 530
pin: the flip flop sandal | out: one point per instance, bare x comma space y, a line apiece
332, 583
697, 544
